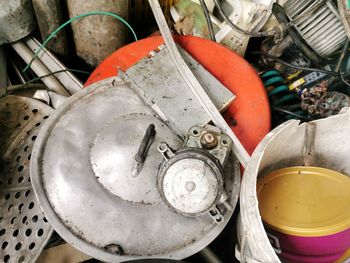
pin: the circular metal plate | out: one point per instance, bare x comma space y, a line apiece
89, 206
24, 230
191, 181
190, 186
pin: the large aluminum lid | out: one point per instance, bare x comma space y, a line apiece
81, 171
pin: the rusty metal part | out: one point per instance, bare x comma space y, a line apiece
49, 16
318, 102
97, 37
16, 20
24, 231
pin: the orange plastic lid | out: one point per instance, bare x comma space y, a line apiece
305, 201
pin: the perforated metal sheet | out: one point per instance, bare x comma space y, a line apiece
24, 230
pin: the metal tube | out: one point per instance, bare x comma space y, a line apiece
37, 66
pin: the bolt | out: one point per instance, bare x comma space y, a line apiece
209, 140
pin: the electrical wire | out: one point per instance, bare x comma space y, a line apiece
13, 88
233, 26
72, 20
327, 72
56, 72
30, 84
291, 113
207, 17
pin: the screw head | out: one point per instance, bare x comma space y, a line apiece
209, 140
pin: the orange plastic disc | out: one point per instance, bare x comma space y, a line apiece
249, 114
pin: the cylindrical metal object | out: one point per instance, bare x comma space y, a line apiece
319, 23
16, 19
306, 209
49, 16
96, 37
290, 144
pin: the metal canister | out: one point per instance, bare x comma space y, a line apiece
306, 213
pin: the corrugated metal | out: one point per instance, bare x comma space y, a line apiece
319, 24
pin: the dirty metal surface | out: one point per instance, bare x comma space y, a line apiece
24, 230
109, 215
155, 76
16, 20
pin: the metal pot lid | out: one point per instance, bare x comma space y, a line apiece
24, 231
81, 171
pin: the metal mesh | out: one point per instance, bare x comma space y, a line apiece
24, 230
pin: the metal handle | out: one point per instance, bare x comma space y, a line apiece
145, 144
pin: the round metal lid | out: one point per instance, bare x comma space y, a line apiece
191, 182
81, 171
24, 231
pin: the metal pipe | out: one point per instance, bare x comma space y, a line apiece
39, 68
195, 86
18, 72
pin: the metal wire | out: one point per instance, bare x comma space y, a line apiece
291, 113
207, 17
328, 72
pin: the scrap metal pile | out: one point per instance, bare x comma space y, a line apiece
161, 149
